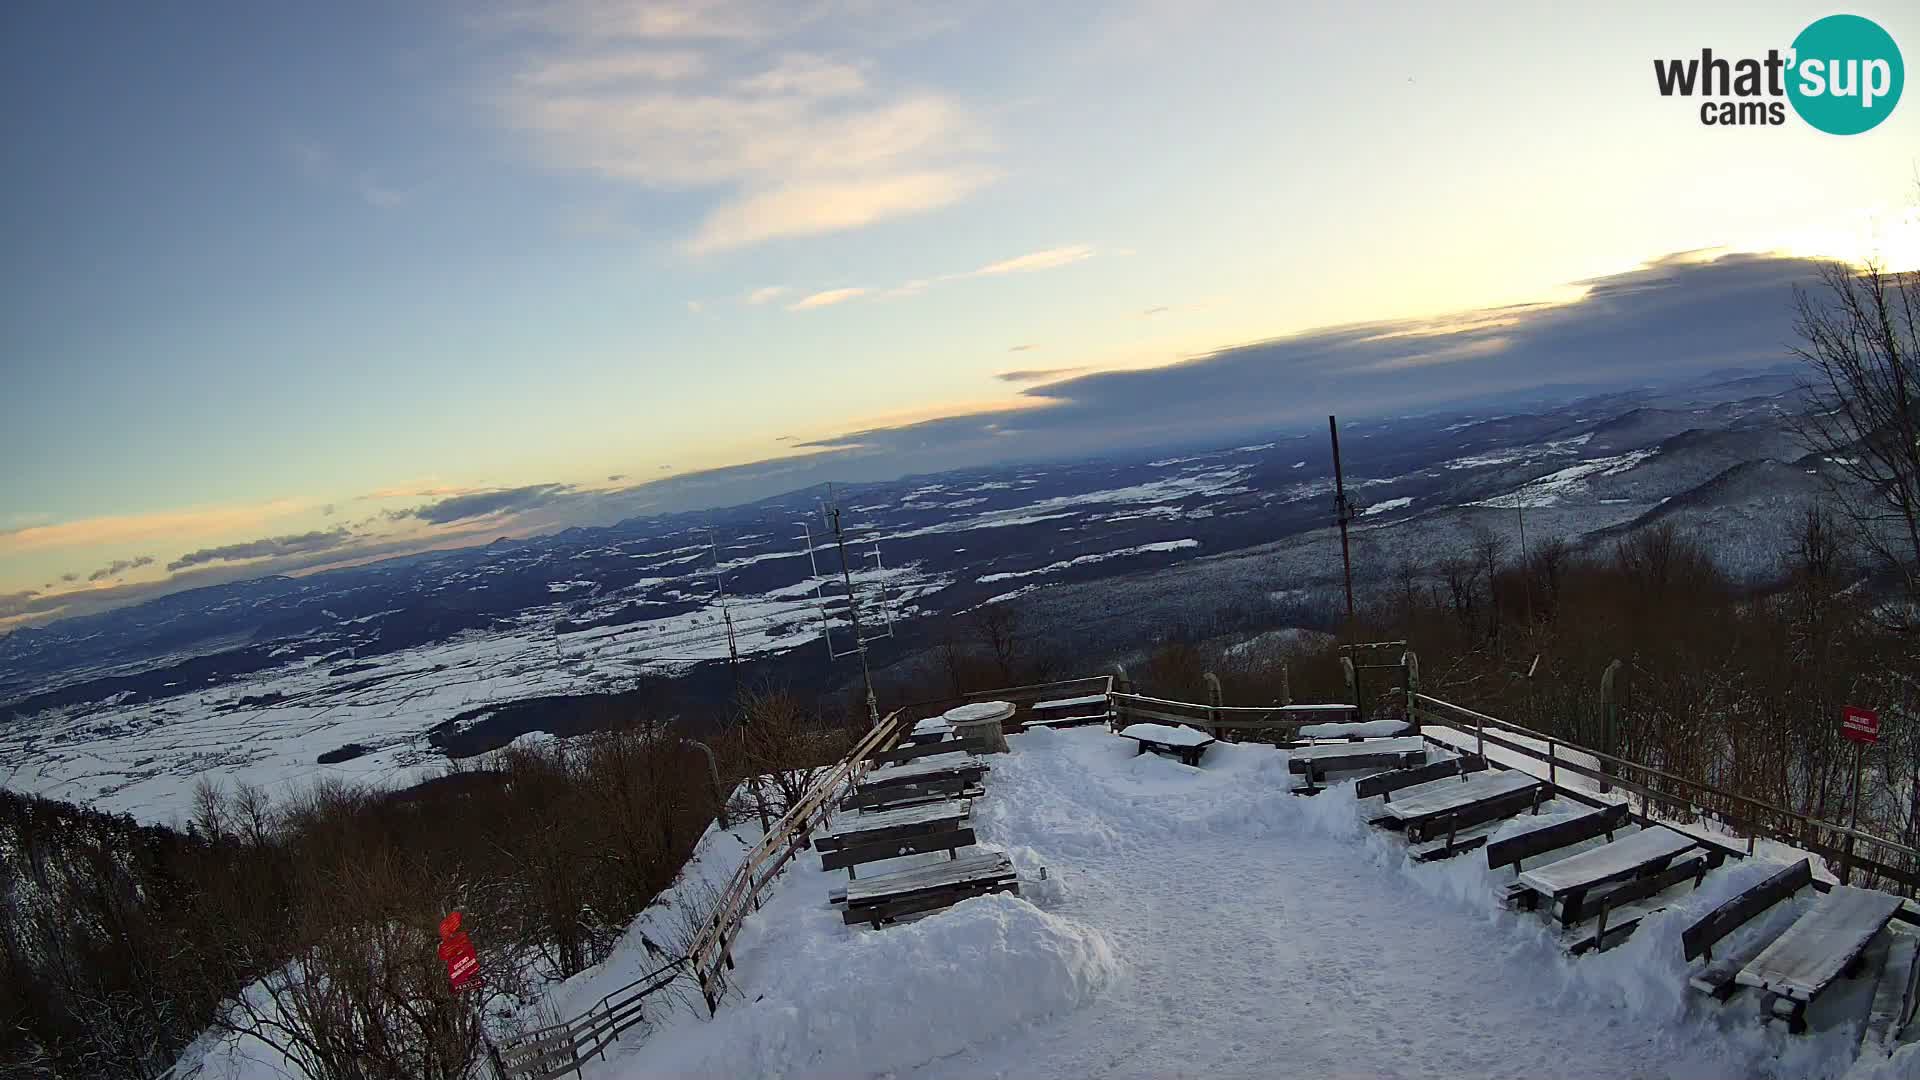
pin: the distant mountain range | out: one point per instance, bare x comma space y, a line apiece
260, 678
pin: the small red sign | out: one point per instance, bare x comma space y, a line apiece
1860, 725
456, 948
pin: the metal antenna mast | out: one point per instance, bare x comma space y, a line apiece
1343, 510
726, 613
853, 615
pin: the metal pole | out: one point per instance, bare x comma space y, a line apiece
1853, 819
853, 615
1343, 511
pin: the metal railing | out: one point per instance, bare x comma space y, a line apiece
1881, 861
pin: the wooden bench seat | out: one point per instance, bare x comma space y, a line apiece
1386, 783
882, 899
1515, 850
1184, 743
1568, 881
1820, 946
1454, 803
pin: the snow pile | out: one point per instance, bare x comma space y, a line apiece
857, 1003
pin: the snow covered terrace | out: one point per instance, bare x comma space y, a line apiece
1205, 922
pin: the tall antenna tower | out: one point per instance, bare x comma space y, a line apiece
1343, 510
861, 633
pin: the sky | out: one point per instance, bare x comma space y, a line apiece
290, 286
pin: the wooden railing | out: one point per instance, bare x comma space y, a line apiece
1285, 719
562, 1048
1882, 862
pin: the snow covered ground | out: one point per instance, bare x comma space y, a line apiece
1202, 922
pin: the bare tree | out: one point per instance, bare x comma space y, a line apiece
1860, 338
999, 629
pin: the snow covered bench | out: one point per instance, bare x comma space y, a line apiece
1069, 712
1716, 979
1182, 742
1820, 947
1447, 805
889, 834
1318, 760
900, 755
1354, 732
948, 775
879, 900
1568, 881
1619, 910
1386, 783
1515, 850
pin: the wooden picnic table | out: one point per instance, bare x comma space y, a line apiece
1569, 880
1371, 729
889, 834
938, 765
924, 888
1817, 949
1183, 742
926, 779
1435, 797
1355, 755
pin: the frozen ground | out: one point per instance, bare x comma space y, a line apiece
1202, 922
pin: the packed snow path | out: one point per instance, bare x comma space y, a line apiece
1206, 923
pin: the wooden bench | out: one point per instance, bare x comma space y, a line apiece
1516, 849
1568, 881
1453, 803
1182, 742
1893, 995
1386, 783
913, 830
1698, 940
1820, 947
1322, 758
1619, 910
1351, 732
882, 899
901, 755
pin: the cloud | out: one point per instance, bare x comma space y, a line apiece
767, 294
128, 529
719, 98
1672, 318
120, 566
695, 307
826, 299
319, 164
615, 478
1152, 311
486, 503
1050, 259
1037, 374
1017, 348
70, 578
264, 548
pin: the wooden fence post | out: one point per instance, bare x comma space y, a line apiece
1352, 678
1215, 698
1412, 664
1609, 717
1286, 685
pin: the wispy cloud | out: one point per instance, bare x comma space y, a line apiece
713, 96
486, 503
767, 294
1018, 348
320, 165
1034, 375
119, 567
132, 529
1050, 259
826, 299
265, 548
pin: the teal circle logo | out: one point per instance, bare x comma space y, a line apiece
1846, 75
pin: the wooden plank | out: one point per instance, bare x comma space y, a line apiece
1717, 979
1626, 857
1069, 703
979, 865
1388, 782
1699, 939
1514, 849
902, 755
1821, 944
1423, 801
854, 854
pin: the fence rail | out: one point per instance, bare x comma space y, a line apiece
1881, 861
1290, 718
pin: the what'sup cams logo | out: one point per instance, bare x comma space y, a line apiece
1843, 75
